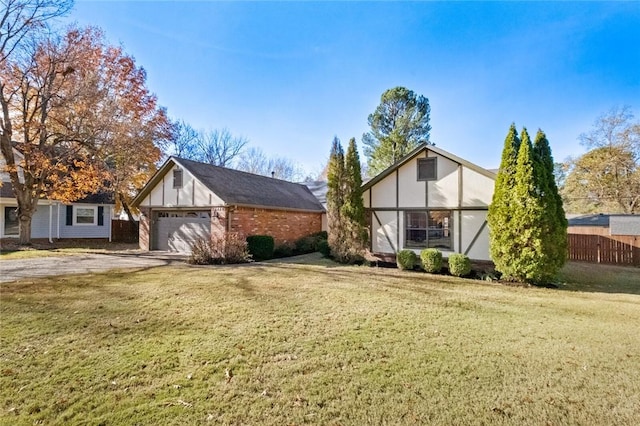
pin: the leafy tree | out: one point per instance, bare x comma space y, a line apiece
552, 221
79, 113
500, 216
607, 178
336, 198
353, 207
526, 218
398, 125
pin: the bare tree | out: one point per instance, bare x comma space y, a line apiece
256, 161
219, 147
19, 18
184, 140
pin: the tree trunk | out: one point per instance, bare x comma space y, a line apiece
24, 222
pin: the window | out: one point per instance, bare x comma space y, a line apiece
430, 229
177, 178
10, 221
427, 169
85, 216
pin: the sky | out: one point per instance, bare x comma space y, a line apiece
290, 76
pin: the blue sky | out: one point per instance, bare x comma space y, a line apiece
291, 75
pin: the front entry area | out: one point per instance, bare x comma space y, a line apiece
176, 231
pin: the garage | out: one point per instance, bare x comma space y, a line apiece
176, 231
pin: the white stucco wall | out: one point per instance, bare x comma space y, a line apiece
477, 188
383, 194
191, 194
388, 224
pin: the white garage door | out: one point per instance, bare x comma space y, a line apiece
177, 231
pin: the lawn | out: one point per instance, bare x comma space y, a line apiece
313, 343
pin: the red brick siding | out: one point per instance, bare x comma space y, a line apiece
283, 226
143, 236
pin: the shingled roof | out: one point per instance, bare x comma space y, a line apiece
235, 187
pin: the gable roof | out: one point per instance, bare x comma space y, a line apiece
418, 150
235, 187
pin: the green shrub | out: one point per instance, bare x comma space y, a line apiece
310, 243
261, 247
431, 260
459, 265
283, 250
323, 247
406, 259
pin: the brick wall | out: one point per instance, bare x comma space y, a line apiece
283, 226
143, 237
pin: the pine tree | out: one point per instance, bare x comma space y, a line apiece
336, 197
501, 233
553, 222
353, 208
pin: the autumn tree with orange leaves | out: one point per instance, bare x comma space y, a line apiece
76, 118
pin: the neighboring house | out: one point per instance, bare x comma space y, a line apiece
430, 199
86, 218
319, 189
186, 200
604, 224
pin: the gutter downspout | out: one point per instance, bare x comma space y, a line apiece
50, 223
58, 221
109, 217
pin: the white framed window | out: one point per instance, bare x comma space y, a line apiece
429, 229
85, 215
177, 178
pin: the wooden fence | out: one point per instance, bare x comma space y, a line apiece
615, 250
124, 231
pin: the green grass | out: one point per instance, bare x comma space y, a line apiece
314, 344
580, 276
10, 250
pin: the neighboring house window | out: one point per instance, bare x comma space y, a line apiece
430, 229
177, 178
427, 169
86, 215
11, 221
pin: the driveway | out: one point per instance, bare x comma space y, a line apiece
13, 270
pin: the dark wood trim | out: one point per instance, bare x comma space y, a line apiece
464, 208
475, 238
397, 211
383, 231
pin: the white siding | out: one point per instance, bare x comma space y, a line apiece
365, 198
381, 234
478, 188
83, 231
412, 192
191, 194
383, 194
444, 191
471, 223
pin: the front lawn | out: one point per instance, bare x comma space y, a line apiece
315, 344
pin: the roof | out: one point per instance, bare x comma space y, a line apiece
418, 150
235, 187
590, 220
319, 189
101, 197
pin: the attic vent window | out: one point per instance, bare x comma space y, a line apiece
177, 179
427, 169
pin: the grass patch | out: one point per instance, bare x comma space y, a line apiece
10, 249
580, 276
316, 344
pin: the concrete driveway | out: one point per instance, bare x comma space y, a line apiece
13, 270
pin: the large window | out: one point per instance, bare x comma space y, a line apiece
430, 229
86, 215
10, 221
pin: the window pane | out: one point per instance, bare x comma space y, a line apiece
11, 221
440, 229
427, 169
85, 215
177, 178
416, 229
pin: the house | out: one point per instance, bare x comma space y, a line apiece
86, 218
604, 224
430, 199
186, 200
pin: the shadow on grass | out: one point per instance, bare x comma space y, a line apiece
599, 278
